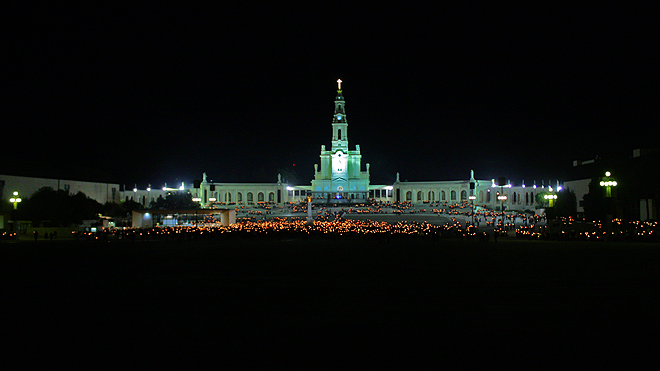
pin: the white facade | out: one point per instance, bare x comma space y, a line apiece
581, 188
27, 186
486, 193
339, 178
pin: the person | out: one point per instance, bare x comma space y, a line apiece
36, 235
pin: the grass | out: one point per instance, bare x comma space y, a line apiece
347, 291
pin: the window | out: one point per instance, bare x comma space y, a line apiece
453, 195
419, 195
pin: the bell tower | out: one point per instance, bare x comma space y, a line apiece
339, 123
339, 178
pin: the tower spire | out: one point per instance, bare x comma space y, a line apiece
339, 123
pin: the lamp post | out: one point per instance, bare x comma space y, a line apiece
501, 182
472, 198
551, 199
608, 182
15, 200
310, 219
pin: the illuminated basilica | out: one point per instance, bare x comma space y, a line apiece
340, 178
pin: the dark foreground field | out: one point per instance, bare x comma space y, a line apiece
299, 297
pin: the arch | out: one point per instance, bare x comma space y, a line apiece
239, 197
260, 197
488, 195
339, 134
481, 196
409, 196
250, 197
464, 195
227, 197
443, 196
271, 197
431, 196
453, 195
419, 195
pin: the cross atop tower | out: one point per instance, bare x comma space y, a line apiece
339, 84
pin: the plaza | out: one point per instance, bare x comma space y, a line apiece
298, 297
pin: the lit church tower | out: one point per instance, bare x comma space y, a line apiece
339, 124
339, 178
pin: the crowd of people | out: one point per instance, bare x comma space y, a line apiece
281, 228
460, 221
334, 226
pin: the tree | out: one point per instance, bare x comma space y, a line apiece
114, 209
564, 206
130, 205
175, 200
58, 207
595, 207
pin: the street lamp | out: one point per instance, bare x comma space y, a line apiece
473, 186
501, 182
608, 182
15, 200
551, 199
472, 198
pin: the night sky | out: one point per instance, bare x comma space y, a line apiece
157, 95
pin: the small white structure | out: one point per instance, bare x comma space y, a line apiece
152, 218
